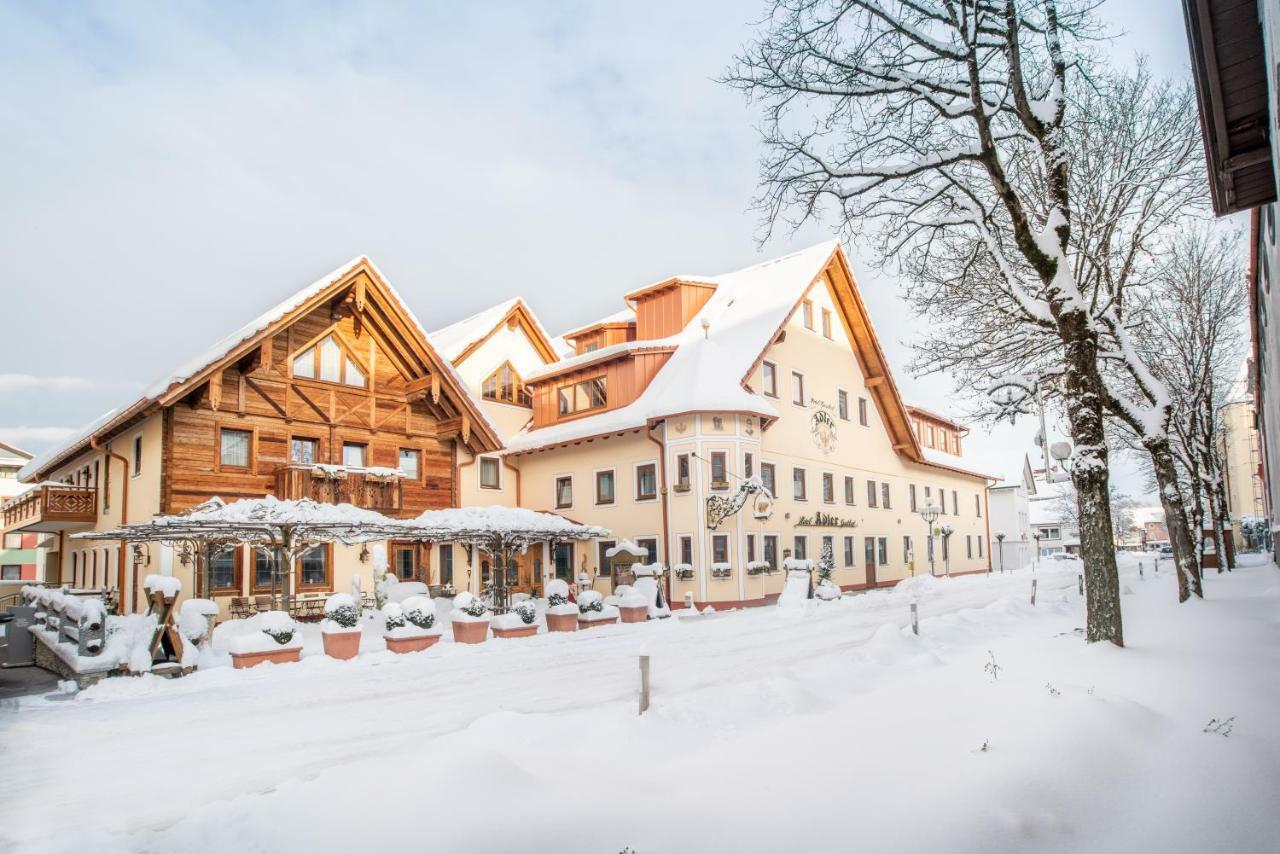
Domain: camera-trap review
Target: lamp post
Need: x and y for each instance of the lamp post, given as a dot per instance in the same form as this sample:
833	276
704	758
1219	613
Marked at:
1035	560
1000	545
929	513
945	531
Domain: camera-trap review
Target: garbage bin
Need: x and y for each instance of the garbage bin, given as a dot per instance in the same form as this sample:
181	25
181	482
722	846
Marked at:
19	645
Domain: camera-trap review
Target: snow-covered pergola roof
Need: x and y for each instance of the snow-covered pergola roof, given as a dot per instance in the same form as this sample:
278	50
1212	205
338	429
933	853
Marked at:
260	521
495	527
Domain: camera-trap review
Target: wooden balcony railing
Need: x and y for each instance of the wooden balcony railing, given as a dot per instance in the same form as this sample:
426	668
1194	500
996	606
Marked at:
340	486
52	508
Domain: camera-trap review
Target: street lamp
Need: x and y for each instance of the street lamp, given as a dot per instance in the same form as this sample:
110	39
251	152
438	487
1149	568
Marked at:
1000	545
1035	560
946	531
929	513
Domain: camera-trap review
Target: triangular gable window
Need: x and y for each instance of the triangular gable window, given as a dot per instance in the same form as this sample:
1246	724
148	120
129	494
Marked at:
505	385
326	360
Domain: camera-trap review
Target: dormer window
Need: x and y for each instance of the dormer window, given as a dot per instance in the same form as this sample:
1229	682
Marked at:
328	361
505	386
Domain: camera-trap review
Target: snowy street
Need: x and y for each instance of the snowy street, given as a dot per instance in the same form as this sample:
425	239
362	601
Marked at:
496	747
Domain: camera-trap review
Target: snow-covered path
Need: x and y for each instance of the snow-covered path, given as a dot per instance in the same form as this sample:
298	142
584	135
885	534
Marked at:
522	737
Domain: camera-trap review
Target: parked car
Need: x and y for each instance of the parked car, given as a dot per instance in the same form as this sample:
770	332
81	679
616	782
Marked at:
1166	551
1062	556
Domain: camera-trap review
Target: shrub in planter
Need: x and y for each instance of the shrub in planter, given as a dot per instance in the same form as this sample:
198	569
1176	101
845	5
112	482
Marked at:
562	615
518	623
277	641
632	604
410	625
340	630
470	619
592	611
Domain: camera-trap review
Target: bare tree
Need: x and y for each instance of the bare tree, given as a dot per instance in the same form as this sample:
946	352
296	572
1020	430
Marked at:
1192	335
950	124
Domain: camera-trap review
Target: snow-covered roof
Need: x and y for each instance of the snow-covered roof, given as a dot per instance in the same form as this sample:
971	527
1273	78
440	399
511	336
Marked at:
705	371
12	455
502	520
626	315
942	458
210	355
456	337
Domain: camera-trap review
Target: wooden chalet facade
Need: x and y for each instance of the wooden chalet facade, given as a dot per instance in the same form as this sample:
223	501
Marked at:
335	395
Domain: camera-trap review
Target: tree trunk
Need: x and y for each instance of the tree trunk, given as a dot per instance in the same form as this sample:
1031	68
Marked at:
1090	475
1175	516
1219	498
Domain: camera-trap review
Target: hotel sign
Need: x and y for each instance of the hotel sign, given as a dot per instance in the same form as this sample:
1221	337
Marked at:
825	520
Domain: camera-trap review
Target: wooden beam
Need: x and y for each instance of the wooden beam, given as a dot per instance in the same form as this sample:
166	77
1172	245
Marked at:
215	390
413	388
435	387
872	382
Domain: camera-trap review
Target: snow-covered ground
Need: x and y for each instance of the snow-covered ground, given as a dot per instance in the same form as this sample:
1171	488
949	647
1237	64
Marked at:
769	731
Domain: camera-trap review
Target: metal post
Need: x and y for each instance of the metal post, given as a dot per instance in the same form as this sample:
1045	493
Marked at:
1033	591
915	619
644	684
1081	579
1140	569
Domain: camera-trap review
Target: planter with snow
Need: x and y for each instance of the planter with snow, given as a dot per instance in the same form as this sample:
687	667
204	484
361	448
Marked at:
277	642
592	611
470	619
562	615
518	623
633	606
340	629
410	625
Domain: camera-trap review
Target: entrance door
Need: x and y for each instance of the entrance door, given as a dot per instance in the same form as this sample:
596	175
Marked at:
529	565
869	557
564	561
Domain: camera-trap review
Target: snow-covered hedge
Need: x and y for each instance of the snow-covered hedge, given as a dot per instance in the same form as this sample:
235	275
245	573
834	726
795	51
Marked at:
392	616
526	611
592	607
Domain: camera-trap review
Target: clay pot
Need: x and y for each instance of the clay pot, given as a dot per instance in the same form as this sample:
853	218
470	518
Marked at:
476	632
241	660
402	645
638	614
522	632
562	622
342	645
591	624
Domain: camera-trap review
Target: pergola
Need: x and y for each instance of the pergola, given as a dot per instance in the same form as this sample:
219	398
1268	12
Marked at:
501	532
280	530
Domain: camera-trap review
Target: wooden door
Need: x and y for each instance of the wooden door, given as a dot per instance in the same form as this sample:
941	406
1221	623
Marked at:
869	557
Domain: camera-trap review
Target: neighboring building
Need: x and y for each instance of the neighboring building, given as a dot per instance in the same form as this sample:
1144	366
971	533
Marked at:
20	554
1011	516
649	422
1241	450
1235	59
1053	516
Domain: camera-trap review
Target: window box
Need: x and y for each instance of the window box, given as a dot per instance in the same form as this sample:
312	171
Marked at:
683	571
721	570
681	487
759	567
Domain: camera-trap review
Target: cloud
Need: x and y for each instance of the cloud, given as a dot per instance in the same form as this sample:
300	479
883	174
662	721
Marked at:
14	382
34	435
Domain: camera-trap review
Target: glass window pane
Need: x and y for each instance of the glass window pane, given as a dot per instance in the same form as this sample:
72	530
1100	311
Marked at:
330	360
304	365
303	451
353	455
313	566
235	448
355	376
409	463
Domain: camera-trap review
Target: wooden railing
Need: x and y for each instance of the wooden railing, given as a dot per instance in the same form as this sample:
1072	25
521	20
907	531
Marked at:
52	508
354	486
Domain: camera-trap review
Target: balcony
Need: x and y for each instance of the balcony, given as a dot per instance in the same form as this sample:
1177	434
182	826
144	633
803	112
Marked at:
50	508
371	489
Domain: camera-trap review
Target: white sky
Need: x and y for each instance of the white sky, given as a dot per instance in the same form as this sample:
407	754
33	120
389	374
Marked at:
169	172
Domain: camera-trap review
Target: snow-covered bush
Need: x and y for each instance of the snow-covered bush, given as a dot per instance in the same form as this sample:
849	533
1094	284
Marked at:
278	626
826	562
419	611
826	590
757	567
340	612
392	616
468	609
526	610
195	618
557	592
590	601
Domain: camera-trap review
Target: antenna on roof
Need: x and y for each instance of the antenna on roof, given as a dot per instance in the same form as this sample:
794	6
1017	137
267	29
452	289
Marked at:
706	328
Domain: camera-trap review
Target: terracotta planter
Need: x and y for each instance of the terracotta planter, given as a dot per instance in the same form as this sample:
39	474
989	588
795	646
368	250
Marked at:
342	645
562	622
402	645
241	660
522	632
638	614
471	632
591	624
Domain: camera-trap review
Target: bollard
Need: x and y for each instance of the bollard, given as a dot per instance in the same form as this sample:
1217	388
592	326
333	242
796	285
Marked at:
1140	569
1081	578
644	684
915	619
1033	591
